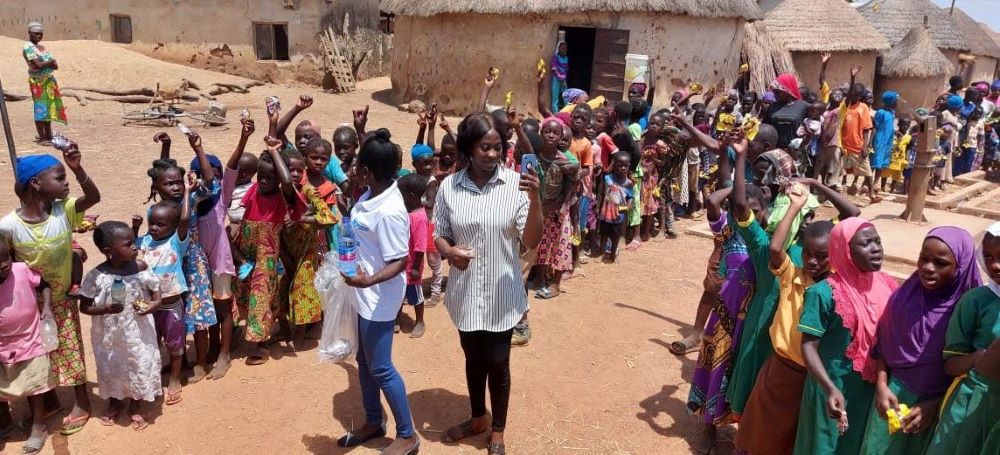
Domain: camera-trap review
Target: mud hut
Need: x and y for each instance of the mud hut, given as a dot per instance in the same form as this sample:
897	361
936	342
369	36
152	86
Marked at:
914	67
766	56
444	48
811	27
981	46
895	18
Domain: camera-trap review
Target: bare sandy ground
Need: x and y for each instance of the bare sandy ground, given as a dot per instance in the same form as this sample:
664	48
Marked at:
596	379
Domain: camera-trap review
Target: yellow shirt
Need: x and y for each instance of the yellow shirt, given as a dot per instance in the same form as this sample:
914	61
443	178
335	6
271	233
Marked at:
785	335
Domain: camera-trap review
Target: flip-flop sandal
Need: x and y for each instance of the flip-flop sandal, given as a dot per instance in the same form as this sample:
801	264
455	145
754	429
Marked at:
349	440
73	425
33	445
173	398
682	348
466	431
139	423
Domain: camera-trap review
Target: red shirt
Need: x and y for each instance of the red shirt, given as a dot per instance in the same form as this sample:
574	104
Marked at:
419	227
271	208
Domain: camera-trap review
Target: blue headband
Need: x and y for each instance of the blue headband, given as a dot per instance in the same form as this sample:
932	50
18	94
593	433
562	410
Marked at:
421	151
30	166
212	160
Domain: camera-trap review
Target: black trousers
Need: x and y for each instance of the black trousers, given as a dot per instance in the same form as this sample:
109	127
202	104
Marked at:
487	359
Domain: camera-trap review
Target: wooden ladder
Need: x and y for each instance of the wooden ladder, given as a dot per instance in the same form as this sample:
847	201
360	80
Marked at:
335	63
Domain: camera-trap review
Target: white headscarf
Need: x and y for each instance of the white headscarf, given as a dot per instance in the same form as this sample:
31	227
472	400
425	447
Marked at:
35	27
993	230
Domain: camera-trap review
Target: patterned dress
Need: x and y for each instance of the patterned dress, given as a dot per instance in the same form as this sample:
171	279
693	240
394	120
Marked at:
47	248
305	245
651	176
48	104
707	397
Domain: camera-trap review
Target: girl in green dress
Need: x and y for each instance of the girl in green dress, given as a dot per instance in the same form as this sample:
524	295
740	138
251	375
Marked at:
972	406
911	337
838	326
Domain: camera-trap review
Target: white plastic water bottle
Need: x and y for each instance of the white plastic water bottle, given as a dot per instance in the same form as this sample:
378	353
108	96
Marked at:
347	249
50	335
118	291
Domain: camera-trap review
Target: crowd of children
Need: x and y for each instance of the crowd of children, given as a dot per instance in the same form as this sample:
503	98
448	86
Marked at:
800	337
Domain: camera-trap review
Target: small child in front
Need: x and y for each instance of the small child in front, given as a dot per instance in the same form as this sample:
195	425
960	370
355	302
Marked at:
26	370
412	187
163	250
120	294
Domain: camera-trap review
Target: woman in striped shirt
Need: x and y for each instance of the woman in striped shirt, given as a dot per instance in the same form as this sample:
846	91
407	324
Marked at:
485	215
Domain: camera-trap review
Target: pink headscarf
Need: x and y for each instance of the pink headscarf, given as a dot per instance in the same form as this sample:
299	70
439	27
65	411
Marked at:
788	84
859	297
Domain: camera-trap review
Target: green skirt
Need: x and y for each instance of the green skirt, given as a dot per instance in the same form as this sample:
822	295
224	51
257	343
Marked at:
969	416
817	433
878	441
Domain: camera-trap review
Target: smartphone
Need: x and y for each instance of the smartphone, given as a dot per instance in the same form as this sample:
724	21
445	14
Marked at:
529	161
184	129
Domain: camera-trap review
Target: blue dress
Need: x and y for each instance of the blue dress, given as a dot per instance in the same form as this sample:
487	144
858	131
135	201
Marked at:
885	131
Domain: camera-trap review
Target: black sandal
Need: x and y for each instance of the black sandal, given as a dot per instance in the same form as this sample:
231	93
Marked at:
349	440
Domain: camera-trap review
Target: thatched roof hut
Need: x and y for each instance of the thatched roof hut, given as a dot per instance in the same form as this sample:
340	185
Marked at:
981	46
895	18
766	55
915	67
811	27
443	48
915	56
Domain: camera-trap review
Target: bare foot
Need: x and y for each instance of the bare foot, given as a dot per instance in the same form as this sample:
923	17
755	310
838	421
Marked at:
221	366
197	373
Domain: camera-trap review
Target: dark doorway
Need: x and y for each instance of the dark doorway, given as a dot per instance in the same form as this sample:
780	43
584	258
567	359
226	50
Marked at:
580	50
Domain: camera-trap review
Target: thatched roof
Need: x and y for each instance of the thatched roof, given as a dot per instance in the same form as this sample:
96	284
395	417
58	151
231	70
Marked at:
746	9
895	18
766	55
979	43
821	25
915	56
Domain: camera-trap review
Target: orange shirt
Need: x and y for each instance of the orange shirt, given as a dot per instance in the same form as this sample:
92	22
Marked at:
857	119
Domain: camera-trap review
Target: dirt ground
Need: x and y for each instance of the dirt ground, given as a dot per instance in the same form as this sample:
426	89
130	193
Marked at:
596	379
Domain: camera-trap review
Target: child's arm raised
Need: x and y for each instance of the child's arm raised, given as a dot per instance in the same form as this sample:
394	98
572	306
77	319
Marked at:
798	195
207	173
431	119
487	88
741	208
845	208
543	96
182	224
305	101
245	132
164	140
360	120
713	204
421	126
284	177
91	195
705	140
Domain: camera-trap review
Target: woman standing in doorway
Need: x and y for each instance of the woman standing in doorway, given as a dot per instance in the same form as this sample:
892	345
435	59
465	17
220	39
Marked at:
44	89
485	216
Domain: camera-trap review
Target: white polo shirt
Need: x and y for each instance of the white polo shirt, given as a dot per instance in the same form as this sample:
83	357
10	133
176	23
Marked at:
382	229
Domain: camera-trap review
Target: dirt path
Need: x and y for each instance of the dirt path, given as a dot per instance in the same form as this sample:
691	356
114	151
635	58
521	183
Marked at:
596	379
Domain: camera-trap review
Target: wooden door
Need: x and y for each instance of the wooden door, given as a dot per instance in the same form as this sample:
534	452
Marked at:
608	74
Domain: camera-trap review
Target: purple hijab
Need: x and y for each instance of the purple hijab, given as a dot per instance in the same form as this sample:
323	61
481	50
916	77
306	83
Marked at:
911	332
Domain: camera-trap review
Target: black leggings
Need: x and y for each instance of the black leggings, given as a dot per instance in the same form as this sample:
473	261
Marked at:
487	356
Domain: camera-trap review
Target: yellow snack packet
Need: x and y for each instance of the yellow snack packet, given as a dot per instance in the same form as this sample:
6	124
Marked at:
895	419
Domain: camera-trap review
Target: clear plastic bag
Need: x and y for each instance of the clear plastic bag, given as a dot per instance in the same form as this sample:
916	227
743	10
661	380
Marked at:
340	315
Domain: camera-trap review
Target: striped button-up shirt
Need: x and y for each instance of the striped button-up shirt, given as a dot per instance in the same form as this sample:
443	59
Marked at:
489	294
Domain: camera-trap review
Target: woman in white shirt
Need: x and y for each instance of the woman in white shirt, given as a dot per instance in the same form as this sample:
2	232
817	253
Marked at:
485	215
381	226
